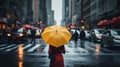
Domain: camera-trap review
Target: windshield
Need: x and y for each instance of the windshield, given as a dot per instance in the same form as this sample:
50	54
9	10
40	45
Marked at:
114	32
20	30
100	31
118	32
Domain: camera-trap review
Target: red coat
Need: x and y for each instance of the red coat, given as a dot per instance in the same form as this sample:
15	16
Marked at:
59	60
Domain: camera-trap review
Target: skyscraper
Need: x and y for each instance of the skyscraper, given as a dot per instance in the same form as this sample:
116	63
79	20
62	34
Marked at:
35	10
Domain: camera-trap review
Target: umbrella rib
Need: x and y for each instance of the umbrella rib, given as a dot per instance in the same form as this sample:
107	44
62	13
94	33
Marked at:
64	38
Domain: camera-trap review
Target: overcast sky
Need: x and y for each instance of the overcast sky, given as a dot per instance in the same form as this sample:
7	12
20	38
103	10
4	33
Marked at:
57	7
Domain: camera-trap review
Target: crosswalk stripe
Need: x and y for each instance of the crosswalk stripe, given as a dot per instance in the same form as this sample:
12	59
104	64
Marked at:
33	48
27	46
3	45
107	50
68	49
94	49
81	49
7	47
46	48
13	48
8	50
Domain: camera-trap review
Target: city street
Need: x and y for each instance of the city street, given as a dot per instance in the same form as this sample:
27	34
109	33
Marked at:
29	55
59	33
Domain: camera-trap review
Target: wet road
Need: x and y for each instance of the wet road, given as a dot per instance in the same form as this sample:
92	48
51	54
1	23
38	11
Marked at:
29	55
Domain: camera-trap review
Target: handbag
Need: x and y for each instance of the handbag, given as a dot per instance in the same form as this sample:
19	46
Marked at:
52	56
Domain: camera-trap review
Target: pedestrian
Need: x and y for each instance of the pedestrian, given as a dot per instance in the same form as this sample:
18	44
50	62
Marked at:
75	37
33	32
4	36
82	37
56	57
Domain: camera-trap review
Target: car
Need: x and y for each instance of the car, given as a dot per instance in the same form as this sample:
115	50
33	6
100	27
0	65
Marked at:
95	35
110	37
73	31
87	34
37	34
16	37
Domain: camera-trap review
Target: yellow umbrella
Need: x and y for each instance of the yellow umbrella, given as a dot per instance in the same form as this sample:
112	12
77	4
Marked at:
56	35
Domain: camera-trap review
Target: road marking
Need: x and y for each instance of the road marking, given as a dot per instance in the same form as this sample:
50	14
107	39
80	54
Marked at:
46	48
7	47
33	48
81	50
27	46
3	45
8	50
102	49
69	50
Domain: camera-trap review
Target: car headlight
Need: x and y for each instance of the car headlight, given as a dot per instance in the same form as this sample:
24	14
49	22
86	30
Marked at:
38	33
21	34
9	35
98	36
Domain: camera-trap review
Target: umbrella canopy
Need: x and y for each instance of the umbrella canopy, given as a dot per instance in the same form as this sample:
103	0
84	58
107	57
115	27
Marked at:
27	26
103	22
17	22
32	27
100	23
56	35
2	21
116	20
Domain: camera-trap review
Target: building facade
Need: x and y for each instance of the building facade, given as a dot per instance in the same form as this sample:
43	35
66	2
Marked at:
43	12
65	12
15	7
28	12
79	12
36	11
74	11
94	11
108	9
49	9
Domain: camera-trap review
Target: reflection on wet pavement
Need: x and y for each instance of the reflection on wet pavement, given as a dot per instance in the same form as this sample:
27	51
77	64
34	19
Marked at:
20	55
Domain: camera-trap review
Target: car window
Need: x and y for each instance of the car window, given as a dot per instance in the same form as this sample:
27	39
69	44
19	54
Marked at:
73	31
114	32
96	31
100	31
20	30
118	31
106	32
29	32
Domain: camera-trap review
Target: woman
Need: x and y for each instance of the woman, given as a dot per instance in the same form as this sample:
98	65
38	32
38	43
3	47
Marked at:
58	58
